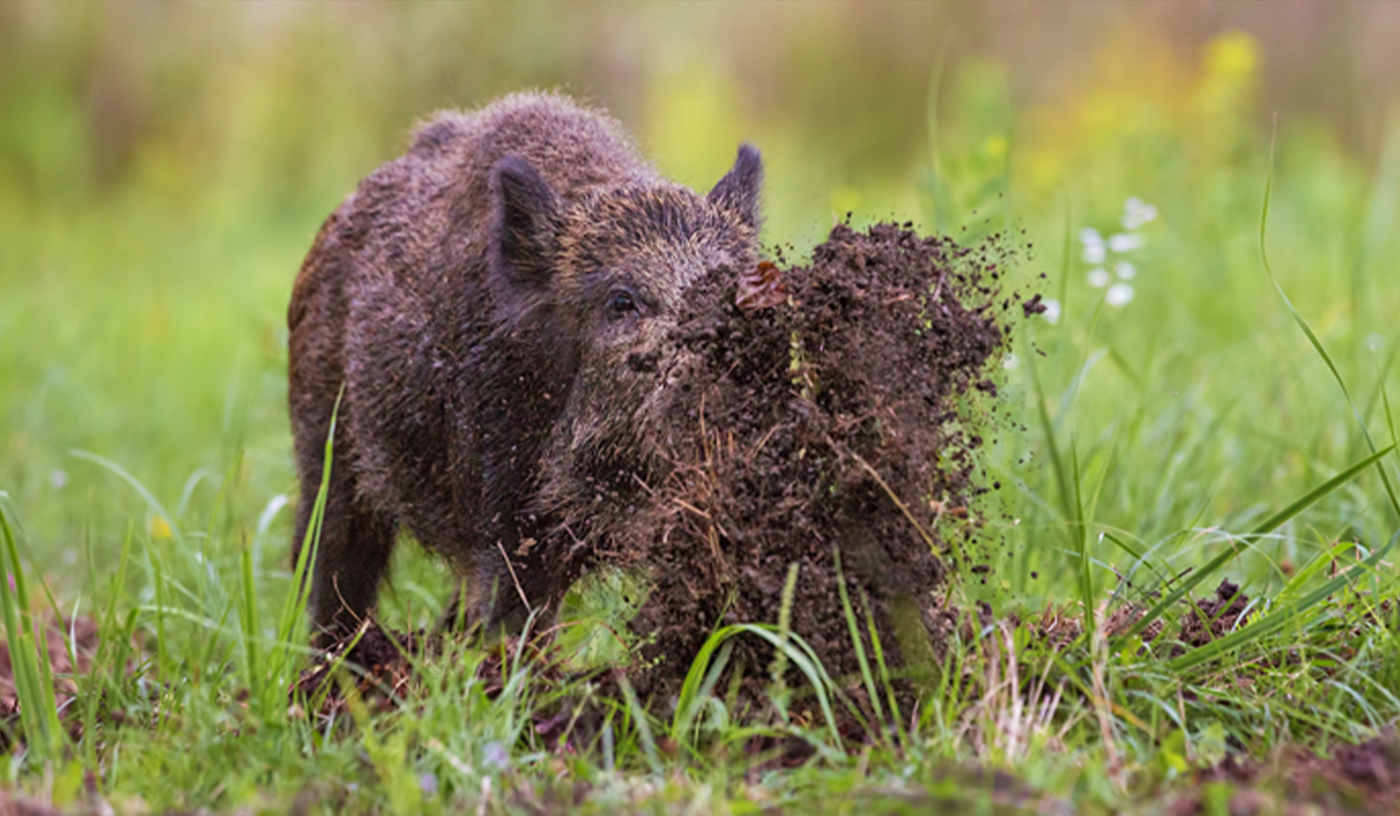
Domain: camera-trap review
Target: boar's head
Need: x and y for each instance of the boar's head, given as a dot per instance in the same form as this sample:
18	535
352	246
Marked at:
588	288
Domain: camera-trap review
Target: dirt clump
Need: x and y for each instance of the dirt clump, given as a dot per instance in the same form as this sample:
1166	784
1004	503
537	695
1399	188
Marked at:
1215	617
822	452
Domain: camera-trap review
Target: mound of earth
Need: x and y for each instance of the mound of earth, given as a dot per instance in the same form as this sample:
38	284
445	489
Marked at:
822	454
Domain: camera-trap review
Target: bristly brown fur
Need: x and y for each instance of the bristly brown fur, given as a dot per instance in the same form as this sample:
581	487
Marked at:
493	303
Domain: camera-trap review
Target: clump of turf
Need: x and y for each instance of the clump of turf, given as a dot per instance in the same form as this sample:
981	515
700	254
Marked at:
825	429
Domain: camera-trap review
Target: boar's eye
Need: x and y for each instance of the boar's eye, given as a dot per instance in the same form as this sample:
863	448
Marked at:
621	302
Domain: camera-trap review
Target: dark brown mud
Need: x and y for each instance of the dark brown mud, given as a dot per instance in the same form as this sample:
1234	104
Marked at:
822	458
1214	617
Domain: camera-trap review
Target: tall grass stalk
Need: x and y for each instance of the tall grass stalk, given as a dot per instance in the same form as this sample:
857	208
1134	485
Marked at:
29	654
1307	329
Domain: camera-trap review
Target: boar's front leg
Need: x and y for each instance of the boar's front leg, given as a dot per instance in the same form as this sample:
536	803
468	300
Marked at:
489	599
355	542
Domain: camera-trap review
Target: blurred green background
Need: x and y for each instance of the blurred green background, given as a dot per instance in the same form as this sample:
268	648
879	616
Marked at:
164	166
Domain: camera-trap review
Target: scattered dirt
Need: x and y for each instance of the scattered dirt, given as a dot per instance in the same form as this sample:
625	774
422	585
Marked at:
829	426
1214	617
1201	621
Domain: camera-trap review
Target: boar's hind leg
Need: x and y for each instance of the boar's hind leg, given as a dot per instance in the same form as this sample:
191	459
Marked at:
355	542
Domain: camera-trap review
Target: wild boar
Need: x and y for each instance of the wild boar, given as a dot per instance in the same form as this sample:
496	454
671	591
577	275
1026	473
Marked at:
489	313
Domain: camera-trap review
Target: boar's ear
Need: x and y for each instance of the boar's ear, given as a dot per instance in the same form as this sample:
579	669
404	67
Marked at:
737	192
524	212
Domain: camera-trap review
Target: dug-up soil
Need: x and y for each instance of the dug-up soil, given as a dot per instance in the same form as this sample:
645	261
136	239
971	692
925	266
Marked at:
822	462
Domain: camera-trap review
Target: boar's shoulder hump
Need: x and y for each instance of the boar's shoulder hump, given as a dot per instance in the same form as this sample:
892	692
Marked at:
575	148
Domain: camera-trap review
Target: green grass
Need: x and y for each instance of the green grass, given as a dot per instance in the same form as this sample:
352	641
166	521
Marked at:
1234	420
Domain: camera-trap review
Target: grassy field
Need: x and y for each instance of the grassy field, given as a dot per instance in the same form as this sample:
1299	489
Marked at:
1210	396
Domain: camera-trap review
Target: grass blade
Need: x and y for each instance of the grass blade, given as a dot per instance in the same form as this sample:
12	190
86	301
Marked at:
1318	493
29	655
248	618
638	715
871	690
700	682
1307	330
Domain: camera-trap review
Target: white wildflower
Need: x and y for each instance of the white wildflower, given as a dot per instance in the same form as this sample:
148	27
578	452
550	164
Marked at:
1093	245
1010	362
1125	270
1125	241
1098	278
1136	213
1118	295
58	478
1052	311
